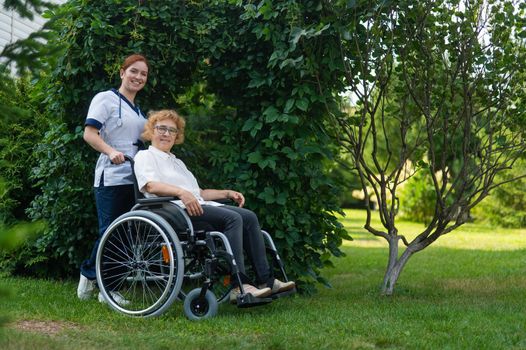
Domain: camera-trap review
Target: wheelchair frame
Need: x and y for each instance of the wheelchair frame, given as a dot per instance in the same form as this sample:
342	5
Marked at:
150	253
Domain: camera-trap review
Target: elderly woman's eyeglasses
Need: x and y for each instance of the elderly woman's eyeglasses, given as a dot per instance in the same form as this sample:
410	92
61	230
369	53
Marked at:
161	129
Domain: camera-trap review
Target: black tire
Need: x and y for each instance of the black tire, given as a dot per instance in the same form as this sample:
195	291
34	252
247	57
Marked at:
199	309
141	258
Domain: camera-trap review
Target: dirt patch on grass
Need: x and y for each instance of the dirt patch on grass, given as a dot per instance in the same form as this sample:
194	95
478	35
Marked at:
43	327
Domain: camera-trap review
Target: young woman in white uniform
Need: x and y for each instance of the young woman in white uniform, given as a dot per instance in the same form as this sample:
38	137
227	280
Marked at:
113	127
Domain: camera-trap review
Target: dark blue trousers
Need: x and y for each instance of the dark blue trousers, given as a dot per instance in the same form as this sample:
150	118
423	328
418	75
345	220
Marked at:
112	202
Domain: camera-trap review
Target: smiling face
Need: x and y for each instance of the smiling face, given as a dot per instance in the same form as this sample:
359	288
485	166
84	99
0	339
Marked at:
134	77
164	134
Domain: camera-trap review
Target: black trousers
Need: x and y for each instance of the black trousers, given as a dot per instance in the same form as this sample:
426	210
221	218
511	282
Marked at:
241	226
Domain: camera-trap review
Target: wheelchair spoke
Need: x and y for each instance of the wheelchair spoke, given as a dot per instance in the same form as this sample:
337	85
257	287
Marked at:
140	257
118	252
138	244
152	293
115	265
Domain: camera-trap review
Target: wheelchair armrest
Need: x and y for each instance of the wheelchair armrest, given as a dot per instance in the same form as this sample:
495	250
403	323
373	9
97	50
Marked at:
154	200
224	201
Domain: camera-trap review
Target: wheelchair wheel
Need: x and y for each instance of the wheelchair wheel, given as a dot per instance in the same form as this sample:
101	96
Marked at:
195	273
196	308
140	264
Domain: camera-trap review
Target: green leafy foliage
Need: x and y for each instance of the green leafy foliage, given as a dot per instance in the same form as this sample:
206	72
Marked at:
246	80
26	8
280	156
33	53
21	124
418	198
506	205
66	201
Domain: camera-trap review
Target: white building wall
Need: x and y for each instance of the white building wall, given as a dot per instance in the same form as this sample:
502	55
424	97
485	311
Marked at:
13	27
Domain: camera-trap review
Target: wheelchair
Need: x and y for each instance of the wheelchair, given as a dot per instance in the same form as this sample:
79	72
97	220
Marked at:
153	255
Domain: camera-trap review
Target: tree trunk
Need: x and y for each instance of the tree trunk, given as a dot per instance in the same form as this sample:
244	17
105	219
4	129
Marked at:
395	266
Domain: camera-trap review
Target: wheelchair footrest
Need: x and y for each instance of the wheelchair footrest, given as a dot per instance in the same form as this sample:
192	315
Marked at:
248	300
284	294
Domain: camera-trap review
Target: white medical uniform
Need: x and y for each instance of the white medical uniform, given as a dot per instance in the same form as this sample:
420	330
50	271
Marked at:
120	125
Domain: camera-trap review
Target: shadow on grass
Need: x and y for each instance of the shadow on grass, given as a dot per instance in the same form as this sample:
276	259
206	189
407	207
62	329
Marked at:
435	270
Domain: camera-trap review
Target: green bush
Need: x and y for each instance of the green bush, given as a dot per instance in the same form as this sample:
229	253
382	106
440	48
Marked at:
506	205
21	125
66	201
417	198
256	120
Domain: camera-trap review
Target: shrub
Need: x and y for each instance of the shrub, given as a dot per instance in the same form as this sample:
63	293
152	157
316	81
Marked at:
417	198
506	205
21	125
66	201
263	134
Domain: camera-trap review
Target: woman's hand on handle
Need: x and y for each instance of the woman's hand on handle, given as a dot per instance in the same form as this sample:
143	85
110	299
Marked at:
92	137
116	157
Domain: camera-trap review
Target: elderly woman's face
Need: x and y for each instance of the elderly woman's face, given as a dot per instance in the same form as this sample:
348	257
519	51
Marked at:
164	134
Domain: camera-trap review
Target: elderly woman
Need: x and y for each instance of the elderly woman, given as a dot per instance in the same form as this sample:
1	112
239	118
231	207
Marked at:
160	173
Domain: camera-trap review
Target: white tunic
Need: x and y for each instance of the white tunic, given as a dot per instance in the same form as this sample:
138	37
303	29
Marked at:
154	165
120	125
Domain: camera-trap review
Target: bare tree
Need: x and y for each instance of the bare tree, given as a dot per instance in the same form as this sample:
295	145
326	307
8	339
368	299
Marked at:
440	89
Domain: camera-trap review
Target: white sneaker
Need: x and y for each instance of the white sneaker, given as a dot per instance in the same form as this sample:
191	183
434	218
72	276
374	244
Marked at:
119	299
85	288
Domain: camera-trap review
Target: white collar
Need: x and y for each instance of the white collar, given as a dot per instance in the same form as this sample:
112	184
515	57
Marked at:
160	153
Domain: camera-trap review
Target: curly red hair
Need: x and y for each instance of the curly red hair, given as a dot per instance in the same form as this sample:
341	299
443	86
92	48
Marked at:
156	116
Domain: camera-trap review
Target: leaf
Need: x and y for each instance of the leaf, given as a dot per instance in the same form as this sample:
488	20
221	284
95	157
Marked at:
250	124
289	105
268	195
271	114
302	104
295	35
254	157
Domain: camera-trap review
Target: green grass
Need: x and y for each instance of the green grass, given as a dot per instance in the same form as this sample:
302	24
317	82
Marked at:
467	291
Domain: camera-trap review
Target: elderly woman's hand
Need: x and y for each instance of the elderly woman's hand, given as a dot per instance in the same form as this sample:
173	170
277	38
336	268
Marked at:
190	202
236	197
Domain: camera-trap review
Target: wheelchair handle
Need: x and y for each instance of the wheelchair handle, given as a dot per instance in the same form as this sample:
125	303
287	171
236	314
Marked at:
129	159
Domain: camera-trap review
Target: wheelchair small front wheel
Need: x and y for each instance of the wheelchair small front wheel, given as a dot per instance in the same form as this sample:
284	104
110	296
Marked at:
195	274
197	308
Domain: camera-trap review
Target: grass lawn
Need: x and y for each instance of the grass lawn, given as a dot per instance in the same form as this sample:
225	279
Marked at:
467	291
